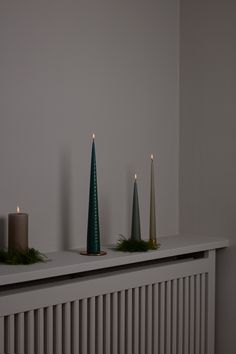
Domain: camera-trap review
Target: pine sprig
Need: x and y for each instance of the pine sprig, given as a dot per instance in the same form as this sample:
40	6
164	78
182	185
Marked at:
129	245
30	256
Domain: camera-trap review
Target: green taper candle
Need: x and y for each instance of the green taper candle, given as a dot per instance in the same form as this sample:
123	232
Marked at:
135	228
152	226
93	232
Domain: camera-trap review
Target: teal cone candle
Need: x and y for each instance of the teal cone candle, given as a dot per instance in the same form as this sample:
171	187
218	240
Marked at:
93	232
152	226
135	228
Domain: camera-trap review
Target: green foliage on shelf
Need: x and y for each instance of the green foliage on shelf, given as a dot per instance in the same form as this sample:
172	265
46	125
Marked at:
129	245
30	256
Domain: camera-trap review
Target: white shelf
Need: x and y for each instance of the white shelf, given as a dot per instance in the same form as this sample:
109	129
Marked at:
71	262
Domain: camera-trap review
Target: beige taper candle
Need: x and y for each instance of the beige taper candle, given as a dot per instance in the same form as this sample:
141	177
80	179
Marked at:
152	227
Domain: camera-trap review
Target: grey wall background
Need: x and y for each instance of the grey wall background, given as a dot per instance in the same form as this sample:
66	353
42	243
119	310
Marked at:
71	68
208	142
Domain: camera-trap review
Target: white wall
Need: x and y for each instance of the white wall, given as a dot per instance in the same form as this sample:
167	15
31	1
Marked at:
71	68
208	142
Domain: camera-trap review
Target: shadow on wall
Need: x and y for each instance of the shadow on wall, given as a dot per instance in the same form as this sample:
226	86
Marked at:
65	200
105	225
3	232
129	200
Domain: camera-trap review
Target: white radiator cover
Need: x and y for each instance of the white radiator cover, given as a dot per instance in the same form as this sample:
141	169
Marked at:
158	307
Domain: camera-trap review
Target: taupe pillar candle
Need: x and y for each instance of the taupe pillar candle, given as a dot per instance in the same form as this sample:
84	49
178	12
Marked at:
152	226
17	231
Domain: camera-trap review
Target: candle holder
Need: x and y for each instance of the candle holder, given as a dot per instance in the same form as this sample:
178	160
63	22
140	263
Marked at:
85	253
153	244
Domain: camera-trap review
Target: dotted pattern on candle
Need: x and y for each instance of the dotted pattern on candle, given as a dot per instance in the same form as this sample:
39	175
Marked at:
93	232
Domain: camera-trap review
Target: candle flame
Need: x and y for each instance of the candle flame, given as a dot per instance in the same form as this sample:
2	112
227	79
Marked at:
151	156
18	209
135	176
93	136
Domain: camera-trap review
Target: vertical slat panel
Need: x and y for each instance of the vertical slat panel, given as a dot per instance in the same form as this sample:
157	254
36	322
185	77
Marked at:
155	332
83	327
29	332
91	325
57	329
128	329
186	315
19	333
149	323
1	335
75	327
197	315
180	315
162	305
165	318
107	324
210	329
168	317
203	312
48	328
66	345
174	317
9	334
99	322
135	320
114	319
192	315
39	331
121	329
142	319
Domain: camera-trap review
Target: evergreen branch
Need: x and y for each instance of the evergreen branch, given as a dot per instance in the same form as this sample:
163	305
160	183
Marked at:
30	256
